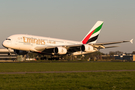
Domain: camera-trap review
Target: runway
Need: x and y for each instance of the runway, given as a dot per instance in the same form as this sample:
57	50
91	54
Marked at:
67	71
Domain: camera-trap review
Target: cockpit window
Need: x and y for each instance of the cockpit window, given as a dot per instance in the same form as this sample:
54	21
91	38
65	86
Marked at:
8	39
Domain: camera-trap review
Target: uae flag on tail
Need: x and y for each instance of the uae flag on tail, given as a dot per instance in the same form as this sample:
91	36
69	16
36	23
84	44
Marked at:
93	34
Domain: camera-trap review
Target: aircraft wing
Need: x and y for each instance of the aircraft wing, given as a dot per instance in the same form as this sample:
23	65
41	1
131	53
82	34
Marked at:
114	42
102	45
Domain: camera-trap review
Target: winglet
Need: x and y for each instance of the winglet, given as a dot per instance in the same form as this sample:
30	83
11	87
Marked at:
131	41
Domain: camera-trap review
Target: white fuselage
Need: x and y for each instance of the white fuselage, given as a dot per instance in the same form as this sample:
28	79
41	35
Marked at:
29	42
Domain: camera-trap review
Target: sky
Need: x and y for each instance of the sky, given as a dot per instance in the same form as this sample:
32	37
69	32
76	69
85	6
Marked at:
70	19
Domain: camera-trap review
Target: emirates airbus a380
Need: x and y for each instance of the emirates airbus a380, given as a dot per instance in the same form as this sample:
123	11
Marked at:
23	43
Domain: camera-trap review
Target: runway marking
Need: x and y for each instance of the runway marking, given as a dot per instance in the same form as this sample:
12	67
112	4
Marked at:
68	71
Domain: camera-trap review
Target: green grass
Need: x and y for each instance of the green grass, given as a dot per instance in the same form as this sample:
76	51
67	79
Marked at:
68	81
70	66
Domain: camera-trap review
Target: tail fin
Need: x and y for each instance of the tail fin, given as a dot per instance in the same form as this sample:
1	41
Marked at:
93	34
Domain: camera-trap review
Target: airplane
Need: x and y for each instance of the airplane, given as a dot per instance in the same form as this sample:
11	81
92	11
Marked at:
23	44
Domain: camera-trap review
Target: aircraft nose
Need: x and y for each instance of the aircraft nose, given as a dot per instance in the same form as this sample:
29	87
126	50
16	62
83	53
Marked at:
4	43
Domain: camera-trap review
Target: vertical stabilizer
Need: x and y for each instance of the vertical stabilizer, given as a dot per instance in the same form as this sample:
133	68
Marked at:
93	34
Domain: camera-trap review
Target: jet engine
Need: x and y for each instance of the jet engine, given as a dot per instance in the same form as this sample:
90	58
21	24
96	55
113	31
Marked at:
87	48
20	52
60	50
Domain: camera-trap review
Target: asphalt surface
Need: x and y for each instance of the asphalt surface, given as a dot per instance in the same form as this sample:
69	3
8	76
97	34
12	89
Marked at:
68	71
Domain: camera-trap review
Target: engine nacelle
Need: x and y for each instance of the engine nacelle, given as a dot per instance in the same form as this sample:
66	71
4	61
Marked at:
60	50
20	52
87	48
